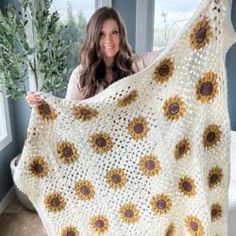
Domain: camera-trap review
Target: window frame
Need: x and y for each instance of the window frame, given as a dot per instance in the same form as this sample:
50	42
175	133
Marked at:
145	10
5	126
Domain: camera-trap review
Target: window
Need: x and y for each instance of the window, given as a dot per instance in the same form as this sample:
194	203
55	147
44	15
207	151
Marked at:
75	15
5	131
144	26
170	18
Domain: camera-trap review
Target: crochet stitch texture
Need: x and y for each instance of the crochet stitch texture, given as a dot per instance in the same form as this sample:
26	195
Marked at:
147	156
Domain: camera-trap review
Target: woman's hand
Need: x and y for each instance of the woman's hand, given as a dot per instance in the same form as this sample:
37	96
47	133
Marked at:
33	99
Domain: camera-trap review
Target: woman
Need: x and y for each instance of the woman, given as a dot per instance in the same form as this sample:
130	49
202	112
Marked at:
105	57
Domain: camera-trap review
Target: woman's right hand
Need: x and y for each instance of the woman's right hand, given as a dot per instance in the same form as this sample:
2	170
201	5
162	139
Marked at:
33	99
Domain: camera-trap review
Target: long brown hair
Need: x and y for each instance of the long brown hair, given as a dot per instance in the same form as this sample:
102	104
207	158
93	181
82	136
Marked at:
93	73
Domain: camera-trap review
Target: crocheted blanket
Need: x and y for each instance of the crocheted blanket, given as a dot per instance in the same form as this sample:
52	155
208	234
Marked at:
147	156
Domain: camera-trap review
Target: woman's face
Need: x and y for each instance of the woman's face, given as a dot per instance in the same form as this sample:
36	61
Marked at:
109	40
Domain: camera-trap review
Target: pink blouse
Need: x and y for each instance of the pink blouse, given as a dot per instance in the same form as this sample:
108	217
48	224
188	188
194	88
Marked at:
139	63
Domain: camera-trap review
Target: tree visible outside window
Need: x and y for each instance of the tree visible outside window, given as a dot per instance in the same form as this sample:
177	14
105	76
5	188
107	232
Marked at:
75	14
170	18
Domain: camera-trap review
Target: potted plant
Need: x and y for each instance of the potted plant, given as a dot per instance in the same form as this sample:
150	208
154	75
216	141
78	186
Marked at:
33	52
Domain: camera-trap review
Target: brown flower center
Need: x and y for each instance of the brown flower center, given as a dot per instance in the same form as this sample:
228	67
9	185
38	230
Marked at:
174	108
84	112
206	89
182	149
164	70
99	223
128	98
67	151
194	225
161	204
38	168
214	212
46	109
101	142
211	136
150	165
70	233
55	202
129	213
214	178
138	128
85	190
201	35
116	178
187	186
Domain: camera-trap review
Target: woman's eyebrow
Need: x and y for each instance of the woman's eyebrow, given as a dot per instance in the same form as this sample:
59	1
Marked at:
111	29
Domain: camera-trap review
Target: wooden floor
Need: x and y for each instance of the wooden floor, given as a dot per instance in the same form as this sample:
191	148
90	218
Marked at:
17	221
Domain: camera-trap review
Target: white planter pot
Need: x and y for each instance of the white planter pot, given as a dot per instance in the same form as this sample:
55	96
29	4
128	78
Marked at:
21	196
